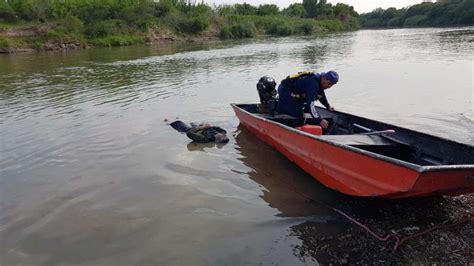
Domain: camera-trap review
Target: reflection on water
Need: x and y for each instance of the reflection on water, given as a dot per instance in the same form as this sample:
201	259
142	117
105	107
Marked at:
282	181
91	174
192	146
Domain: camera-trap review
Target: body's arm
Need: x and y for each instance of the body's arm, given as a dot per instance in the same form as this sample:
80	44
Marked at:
324	101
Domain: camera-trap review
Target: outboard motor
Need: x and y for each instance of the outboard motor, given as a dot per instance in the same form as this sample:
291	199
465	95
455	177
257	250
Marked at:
267	93
266	89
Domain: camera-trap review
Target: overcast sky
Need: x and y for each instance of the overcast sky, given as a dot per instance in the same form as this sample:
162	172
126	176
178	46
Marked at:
361	6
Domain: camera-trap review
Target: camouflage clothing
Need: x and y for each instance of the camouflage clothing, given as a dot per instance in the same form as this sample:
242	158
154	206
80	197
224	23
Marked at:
203	135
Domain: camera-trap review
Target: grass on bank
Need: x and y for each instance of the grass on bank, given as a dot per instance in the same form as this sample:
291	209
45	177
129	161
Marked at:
13	43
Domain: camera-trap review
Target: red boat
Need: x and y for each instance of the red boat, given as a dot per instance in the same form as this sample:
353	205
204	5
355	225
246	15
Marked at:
366	158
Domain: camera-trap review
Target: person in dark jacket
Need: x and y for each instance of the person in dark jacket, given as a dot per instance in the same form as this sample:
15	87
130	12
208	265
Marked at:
202	133
297	94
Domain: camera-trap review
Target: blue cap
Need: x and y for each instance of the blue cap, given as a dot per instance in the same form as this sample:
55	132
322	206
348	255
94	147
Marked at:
332	76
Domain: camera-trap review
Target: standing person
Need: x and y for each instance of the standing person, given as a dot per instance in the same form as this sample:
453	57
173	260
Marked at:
298	93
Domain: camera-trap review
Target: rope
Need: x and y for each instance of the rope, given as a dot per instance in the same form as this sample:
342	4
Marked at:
387	237
467	219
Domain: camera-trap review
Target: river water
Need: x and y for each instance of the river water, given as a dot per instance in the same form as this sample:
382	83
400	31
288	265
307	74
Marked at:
90	172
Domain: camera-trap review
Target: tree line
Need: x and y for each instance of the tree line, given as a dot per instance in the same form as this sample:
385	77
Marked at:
122	22
440	13
88	10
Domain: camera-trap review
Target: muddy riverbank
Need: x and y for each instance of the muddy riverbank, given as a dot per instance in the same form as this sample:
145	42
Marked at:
432	230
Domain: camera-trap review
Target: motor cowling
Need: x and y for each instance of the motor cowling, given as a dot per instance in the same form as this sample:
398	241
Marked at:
266	89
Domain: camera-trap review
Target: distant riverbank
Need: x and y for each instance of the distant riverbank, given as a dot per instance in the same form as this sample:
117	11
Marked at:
24	37
74	24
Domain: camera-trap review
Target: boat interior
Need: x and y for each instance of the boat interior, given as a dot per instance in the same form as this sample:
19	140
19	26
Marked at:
379	138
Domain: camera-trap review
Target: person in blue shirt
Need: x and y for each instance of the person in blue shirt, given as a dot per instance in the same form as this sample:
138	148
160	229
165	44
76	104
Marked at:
298	93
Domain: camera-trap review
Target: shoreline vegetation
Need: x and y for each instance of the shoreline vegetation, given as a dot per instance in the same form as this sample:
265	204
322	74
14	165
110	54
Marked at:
28	25
74	24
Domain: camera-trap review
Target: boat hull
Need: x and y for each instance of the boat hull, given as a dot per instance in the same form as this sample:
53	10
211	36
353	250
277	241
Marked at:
354	173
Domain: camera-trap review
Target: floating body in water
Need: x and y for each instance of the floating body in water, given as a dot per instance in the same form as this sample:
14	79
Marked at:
202	133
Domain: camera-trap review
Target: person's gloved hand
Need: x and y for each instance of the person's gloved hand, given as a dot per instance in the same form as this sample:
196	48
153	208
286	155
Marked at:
324	123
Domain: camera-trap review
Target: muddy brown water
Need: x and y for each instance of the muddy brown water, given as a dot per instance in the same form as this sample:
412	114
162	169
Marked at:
90	172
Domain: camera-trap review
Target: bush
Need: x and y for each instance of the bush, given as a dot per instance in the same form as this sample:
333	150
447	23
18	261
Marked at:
106	27
280	28
163	8
267	10
22	9
200	10
414	21
243	29
225	33
238	29
69	29
245	9
226	10
307	28
332	25
295	10
8	42
193	25
394	22
5	42
71	24
146	23
7	13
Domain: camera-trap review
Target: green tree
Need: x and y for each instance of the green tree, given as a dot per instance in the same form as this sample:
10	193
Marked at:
324	10
295	10
6	12
415	21
390	13
267	10
466	13
164	7
245	9
344	12
420	9
311	8
226	10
